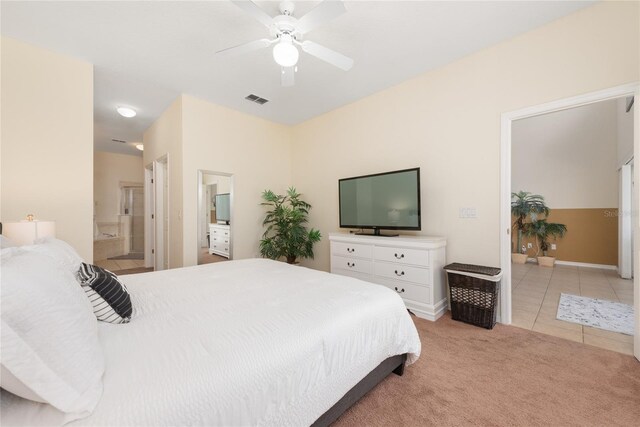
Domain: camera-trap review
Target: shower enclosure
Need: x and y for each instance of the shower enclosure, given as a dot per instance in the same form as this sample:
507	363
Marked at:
133	219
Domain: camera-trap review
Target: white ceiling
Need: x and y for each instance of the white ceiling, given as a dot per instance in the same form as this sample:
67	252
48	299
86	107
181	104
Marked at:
147	53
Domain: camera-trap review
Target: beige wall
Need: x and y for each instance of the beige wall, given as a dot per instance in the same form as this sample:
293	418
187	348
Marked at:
47	141
258	154
447	122
164	138
569	157
109	171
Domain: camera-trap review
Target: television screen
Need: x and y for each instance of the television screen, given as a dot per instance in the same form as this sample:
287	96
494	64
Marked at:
388	200
223	207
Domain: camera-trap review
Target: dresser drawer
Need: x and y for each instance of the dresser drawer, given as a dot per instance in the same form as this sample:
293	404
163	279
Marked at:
351	264
220	247
350	273
214	231
221	239
404	256
410	292
403	272
351	249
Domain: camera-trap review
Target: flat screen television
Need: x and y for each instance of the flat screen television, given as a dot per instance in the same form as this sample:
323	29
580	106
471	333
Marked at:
223	207
383	201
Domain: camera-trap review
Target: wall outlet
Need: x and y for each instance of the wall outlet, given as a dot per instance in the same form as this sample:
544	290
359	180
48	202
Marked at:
529	245
553	246
467	213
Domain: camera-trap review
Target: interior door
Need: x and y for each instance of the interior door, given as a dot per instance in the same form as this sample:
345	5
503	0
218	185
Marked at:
160	212
625	223
149	223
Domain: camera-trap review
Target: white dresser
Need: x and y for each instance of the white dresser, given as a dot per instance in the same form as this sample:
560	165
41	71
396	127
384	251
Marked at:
410	265
219	239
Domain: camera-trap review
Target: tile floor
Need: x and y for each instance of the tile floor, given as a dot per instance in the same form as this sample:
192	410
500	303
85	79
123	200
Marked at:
536	293
120	264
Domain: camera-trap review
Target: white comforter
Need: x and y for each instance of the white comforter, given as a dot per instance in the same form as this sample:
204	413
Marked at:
251	342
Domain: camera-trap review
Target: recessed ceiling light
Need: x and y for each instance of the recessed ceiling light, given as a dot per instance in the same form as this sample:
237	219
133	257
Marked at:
140	147
126	112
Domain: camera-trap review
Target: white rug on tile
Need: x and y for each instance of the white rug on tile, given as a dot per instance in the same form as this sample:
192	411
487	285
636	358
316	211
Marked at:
597	313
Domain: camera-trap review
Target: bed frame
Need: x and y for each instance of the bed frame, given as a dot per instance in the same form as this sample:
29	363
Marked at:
393	364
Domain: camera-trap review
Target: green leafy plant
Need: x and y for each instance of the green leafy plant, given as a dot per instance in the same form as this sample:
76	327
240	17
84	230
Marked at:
542	231
286	234
526	205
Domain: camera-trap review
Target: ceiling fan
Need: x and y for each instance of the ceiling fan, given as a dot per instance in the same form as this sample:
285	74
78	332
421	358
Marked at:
287	33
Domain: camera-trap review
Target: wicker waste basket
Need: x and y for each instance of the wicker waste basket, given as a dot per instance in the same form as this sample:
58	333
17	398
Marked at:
473	293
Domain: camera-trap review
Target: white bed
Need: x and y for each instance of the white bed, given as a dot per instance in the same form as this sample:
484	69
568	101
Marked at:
250	342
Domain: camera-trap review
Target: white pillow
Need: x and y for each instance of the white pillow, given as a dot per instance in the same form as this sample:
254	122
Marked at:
49	334
62	252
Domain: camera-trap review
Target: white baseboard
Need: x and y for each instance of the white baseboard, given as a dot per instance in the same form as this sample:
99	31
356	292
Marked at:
579	264
586	264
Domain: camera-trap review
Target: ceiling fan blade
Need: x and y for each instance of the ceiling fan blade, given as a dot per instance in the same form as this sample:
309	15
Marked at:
331	56
287	76
254	10
245	47
324	12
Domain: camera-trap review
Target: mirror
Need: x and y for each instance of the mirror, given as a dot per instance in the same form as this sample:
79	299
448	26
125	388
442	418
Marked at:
215	217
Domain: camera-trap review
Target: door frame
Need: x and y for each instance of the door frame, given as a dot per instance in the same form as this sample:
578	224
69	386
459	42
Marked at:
162	216
201	174
631	89
149	215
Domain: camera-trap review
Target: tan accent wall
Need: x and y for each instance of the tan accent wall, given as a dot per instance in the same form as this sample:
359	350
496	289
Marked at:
592	236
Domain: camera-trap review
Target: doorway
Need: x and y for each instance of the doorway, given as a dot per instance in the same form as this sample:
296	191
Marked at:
215	217
632	90
157	224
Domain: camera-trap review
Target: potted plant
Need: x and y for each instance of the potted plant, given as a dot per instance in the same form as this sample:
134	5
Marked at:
286	235
542	231
525	205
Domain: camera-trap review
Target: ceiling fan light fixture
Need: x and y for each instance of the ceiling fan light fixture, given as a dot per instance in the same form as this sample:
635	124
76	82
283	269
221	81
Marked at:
285	53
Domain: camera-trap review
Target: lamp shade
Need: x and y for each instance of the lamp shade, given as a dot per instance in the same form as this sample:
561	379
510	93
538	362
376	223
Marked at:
26	232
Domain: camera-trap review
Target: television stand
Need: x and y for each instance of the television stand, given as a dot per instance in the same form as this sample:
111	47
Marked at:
376	232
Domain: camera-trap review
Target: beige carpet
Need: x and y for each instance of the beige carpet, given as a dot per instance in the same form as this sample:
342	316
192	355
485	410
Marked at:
504	377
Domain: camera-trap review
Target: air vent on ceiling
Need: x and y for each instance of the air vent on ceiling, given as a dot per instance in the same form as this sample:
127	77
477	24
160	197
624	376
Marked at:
256	99
119	140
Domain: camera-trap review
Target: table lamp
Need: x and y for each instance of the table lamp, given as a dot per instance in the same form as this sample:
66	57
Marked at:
27	231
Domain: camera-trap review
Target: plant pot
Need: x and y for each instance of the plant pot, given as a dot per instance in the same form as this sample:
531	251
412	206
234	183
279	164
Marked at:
546	261
519	258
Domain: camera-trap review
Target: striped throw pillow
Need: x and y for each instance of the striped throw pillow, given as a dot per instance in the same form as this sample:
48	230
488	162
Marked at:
109	297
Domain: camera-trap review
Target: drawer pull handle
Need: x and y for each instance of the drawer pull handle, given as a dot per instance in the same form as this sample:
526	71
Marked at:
351	250
399	291
351	264
399	257
399	274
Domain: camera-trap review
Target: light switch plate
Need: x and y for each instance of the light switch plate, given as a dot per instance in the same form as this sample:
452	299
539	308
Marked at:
468	213
553	246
